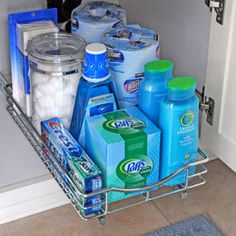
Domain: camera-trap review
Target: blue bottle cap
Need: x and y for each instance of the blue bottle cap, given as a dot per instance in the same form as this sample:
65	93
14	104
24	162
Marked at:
181	88
96	67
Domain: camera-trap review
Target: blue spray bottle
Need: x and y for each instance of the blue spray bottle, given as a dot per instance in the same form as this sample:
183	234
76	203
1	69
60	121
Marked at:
96	93
178	120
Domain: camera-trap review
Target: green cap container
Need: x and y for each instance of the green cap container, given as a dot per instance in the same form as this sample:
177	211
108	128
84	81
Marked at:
159	70
181	88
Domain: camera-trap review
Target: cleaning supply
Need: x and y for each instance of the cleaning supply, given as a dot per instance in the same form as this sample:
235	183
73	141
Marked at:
74	160
125	145
153	87
23	26
129	48
178	121
92	19
96	93
55	69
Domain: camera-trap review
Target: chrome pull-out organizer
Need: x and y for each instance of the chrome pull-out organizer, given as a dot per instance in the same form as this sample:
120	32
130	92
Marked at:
69	187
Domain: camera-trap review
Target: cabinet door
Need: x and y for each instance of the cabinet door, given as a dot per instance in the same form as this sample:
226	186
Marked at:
221	86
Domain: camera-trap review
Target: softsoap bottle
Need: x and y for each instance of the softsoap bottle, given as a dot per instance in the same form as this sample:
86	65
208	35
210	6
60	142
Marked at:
178	121
153	87
96	93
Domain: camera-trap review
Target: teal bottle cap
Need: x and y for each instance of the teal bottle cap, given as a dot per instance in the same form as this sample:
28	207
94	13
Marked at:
181	88
161	69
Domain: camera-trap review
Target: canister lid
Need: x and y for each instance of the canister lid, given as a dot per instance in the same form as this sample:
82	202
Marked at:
96	67
161	69
96	48
181	88
56	47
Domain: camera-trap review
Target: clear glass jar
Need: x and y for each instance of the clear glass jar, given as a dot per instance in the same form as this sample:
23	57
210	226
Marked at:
55	69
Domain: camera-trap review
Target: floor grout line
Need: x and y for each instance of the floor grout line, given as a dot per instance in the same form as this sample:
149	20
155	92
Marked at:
164	215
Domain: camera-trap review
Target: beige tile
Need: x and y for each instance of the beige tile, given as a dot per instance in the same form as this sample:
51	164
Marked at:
217	198
64	221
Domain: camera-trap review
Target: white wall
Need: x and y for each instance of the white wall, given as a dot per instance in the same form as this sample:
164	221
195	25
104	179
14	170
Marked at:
19	162
183	26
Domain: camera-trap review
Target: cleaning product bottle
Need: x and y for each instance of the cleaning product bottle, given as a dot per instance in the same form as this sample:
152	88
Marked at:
96	93
178	120
153	87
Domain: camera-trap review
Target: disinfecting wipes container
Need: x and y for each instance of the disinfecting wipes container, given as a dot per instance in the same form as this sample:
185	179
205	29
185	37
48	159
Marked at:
93	19
129	49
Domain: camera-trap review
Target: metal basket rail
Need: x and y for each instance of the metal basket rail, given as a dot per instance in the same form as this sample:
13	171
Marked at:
70	188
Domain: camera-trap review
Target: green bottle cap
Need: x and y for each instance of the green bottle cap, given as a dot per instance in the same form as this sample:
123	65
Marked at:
181	88
161	69
160	66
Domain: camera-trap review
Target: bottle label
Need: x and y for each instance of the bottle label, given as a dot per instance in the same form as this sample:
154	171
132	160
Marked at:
132	85
115	57
186	131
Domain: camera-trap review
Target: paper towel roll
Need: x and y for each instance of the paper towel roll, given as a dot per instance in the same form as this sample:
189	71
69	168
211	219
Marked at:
91	20
129	49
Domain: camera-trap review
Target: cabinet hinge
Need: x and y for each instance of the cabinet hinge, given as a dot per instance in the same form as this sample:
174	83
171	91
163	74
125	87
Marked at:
207	104
219	6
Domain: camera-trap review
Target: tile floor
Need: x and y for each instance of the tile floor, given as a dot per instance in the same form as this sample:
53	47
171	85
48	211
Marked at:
217	198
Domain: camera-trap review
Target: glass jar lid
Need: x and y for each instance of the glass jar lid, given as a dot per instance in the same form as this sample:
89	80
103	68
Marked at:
56	47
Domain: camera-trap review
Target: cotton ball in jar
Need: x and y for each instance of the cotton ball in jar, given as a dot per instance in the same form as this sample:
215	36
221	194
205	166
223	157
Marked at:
38	78
57	83
70	89
46	102
67	100
38	111
72	78
45	89
52	86
36	93
54	112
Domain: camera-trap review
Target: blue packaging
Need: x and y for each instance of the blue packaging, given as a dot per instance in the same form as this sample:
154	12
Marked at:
92	19
129	48
126	146
178	121
96	67
18	56
153	87
91	99
84	172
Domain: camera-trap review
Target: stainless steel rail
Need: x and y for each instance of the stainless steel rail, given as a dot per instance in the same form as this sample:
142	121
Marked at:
70	188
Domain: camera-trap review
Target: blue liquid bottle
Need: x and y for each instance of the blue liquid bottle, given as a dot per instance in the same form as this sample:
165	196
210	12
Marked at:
96	93
178	122
153	87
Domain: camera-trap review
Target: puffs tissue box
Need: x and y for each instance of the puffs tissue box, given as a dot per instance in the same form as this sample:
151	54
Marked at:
125	144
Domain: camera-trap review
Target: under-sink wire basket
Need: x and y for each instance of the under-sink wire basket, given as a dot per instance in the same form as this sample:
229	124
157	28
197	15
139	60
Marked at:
69	187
